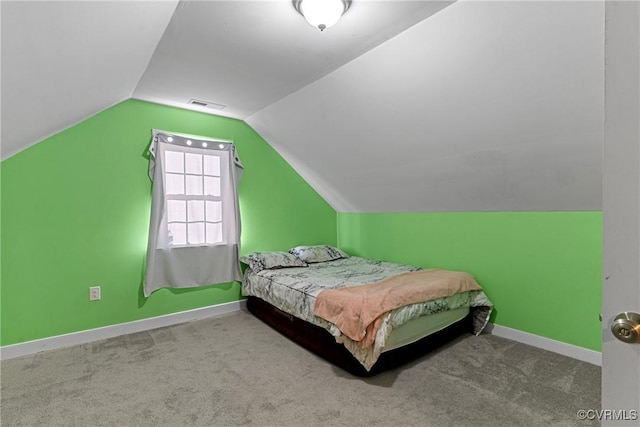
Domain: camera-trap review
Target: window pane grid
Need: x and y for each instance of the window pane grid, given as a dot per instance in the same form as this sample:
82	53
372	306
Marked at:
194	202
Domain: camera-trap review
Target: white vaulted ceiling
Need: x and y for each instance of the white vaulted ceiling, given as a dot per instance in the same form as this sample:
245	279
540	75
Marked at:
485	106
402	106
247	55
62	62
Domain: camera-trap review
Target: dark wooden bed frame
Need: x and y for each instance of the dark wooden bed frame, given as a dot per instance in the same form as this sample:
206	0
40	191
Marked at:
322	343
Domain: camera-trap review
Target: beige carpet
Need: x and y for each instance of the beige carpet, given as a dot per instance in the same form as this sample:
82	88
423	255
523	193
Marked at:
234	370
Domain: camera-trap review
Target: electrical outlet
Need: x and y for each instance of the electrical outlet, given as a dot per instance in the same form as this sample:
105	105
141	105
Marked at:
94	293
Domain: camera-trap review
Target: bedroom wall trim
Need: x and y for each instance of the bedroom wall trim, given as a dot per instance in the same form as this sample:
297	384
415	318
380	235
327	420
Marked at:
112	331
569	350
90	335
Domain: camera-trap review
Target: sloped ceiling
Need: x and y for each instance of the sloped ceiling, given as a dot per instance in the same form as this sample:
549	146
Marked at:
485	106
63	62
246	55
402	106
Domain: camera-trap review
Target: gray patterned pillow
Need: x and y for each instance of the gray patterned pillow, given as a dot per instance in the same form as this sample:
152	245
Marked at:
259	261
318	253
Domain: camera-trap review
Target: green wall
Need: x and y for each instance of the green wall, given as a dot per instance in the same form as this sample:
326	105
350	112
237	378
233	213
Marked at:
542	270
75	213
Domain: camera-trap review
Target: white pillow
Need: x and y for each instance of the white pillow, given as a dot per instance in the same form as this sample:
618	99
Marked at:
259	261
318	253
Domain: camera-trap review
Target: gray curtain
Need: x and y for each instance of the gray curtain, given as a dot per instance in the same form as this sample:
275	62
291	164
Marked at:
194	232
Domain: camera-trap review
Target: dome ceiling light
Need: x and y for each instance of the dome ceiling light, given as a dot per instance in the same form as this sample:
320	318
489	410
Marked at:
321	14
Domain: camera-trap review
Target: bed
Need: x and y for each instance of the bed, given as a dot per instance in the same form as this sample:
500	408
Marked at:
291	292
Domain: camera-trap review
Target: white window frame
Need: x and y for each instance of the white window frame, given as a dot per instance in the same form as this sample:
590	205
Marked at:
196	222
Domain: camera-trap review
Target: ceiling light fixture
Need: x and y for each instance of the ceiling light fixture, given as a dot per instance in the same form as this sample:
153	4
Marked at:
321	14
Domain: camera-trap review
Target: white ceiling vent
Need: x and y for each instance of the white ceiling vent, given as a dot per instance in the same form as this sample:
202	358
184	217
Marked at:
206	104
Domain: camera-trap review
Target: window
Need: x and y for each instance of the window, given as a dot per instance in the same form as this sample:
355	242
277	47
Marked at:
194	201
194	212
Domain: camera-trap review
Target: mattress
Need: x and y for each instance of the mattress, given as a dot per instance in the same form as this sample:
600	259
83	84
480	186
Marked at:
416	329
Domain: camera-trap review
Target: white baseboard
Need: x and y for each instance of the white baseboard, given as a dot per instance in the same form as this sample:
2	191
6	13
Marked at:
580	353
90	335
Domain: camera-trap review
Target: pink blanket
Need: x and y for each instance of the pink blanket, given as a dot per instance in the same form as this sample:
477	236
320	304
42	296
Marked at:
358	311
